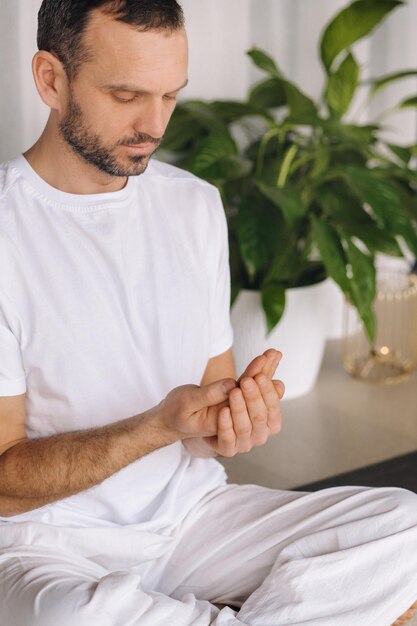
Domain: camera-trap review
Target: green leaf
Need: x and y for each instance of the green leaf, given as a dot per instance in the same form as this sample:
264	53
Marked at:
376	239
287	199
237	268
250	237
267	150
273	302
367	133
383	196
409	102
388	202
351	220
408	233
209	150
341	86
383	81
182	131
231	111
264	62
302	108
360	137
259	230
352	24
269	94
321	163
331	252
203	113
369	319
286	265
277	92
364	276
344	152
402	152
363	286
408	177
223	168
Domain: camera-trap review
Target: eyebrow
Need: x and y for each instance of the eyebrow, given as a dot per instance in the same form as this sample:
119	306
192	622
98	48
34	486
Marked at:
135	88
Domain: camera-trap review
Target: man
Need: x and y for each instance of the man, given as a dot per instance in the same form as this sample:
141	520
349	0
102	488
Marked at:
117	380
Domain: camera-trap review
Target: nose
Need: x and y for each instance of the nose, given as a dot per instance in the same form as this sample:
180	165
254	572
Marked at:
153	118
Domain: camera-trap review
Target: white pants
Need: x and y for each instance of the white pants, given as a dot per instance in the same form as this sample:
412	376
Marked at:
338	557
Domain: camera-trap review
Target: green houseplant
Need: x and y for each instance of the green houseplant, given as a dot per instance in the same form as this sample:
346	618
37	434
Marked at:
306	193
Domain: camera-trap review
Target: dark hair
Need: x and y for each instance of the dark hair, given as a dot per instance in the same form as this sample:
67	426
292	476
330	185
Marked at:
62	24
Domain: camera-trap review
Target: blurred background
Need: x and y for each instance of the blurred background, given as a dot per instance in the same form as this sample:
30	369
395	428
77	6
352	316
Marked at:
220	33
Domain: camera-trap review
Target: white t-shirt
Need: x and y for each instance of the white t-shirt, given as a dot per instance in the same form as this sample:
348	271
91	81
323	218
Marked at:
107	302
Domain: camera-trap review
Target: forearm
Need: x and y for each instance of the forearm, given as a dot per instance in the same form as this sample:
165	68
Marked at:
36	472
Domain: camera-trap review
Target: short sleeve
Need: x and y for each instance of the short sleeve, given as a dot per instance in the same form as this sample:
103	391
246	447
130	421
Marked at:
12	374
221	332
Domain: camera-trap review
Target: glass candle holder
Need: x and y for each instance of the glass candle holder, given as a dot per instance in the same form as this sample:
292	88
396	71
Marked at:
393	355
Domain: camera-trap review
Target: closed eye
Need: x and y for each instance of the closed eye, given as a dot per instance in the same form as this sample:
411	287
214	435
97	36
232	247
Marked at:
125	100
133	98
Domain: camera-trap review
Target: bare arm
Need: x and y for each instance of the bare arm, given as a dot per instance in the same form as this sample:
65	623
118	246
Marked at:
35	472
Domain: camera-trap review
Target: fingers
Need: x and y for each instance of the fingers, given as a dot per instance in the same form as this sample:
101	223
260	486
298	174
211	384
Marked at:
280	388
234	429
242	424
273	358
225	443
253	415
254	367
271	400
265	363
256	409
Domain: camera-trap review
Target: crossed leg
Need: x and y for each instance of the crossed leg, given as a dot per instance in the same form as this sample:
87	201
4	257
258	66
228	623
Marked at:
338	557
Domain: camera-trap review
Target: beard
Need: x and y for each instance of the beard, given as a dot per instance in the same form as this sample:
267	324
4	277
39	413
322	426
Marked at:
90	147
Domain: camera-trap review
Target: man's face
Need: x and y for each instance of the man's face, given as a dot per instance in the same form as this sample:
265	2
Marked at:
119	104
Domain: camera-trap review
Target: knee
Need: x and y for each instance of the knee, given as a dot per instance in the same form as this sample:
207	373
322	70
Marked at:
400	503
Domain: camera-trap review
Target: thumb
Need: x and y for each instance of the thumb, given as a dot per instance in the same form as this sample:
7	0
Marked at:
213	393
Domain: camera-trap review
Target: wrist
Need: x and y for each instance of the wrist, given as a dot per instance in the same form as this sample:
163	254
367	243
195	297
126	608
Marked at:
153	421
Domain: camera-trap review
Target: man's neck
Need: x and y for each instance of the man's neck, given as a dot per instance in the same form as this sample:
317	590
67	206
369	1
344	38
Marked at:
61	168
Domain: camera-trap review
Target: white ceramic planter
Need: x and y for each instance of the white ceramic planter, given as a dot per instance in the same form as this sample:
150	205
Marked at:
336	305
300	335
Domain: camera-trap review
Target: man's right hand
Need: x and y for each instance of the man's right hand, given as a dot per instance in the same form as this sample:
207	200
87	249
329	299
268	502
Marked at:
58	466
192	411
40	471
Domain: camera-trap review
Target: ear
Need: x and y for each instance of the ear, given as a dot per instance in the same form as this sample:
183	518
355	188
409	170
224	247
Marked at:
51	79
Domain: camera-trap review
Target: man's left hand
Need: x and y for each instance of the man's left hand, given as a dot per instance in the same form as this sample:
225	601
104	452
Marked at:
250	416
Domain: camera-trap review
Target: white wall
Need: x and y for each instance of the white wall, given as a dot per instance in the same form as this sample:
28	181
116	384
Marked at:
22	113
220	32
